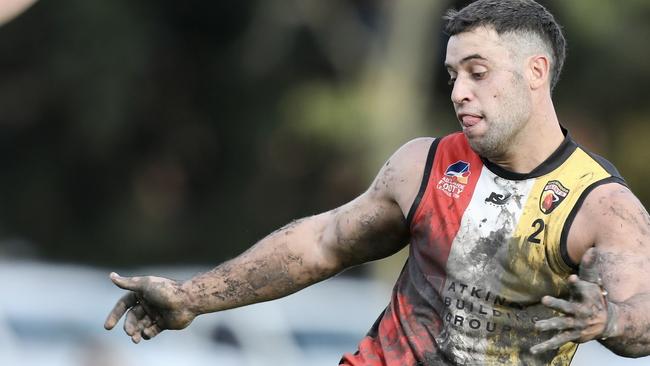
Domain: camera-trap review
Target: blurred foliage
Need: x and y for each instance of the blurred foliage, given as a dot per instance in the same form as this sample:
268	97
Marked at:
158	131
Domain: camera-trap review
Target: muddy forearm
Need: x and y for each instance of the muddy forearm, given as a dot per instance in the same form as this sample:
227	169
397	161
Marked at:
275	267
632	326
302	253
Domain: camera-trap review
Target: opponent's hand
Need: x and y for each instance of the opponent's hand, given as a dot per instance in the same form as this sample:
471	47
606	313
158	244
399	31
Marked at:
152	305
586	316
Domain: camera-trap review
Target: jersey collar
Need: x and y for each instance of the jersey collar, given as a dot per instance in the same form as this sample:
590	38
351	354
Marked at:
559	156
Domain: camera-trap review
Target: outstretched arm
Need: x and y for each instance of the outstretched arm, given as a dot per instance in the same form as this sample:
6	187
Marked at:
610	299
302	253
306	251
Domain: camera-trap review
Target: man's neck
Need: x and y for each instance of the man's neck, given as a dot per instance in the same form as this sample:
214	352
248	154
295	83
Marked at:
533	145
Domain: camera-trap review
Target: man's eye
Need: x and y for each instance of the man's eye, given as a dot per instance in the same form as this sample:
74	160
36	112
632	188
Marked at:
479	75
451	81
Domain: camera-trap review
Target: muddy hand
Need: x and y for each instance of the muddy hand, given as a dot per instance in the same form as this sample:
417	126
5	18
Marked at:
152	305
585	316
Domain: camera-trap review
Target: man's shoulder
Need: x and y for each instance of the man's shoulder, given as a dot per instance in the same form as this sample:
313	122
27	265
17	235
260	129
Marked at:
418	149
413	158
414	148
607	212
402	174
601	161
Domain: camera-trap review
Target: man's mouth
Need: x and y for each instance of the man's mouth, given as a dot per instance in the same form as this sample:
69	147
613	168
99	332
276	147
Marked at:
469	119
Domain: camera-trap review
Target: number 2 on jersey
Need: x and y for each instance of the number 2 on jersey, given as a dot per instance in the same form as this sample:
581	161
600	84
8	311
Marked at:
539	227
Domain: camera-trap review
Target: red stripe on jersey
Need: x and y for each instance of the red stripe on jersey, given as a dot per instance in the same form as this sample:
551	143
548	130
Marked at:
390	346
403	337
449	191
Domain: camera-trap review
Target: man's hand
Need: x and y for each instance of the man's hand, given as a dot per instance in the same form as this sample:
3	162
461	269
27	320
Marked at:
152	305
586	316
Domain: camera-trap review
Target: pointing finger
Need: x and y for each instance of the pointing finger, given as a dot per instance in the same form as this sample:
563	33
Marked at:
123	304
127	283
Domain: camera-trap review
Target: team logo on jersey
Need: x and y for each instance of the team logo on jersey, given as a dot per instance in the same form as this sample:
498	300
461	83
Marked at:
455	178
459	170
552	195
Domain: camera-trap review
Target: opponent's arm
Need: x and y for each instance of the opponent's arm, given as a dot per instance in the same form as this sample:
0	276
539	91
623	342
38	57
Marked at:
306	251
610	299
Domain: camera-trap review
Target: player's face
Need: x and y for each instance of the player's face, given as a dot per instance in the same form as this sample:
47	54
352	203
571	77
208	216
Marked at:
490	94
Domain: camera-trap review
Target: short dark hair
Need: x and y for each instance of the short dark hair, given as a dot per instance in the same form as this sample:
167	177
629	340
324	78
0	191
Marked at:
512	16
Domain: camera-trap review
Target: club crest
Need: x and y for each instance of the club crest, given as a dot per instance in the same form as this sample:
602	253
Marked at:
459	170
455	179
552	195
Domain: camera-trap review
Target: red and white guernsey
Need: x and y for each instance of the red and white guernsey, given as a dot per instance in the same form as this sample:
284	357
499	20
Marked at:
486	245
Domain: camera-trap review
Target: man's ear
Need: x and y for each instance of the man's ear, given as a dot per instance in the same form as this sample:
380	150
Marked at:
539	71
12	8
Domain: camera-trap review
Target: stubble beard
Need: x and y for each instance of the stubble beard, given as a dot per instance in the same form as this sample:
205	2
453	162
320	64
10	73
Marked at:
505	125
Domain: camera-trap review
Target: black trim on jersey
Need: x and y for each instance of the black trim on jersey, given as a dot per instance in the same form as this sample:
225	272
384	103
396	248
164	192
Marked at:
559	156
574	353
572	215
425	181
604	163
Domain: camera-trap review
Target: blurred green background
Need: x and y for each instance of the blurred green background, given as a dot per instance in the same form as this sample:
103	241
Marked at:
158	132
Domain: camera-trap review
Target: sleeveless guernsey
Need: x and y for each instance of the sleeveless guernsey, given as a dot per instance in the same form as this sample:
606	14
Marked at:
486	245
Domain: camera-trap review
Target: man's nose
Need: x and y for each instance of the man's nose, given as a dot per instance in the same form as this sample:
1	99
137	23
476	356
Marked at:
461	92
